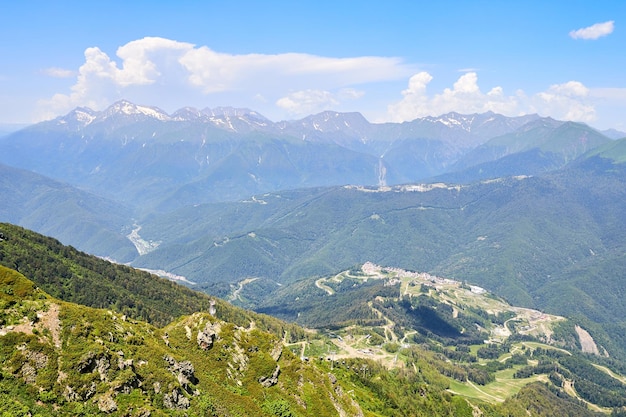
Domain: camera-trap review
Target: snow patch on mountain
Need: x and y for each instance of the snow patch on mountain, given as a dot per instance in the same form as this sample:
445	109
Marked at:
129	109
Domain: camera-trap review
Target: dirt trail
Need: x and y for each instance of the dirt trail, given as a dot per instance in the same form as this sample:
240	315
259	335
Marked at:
302	346
50	320
320	284
235	295
390	336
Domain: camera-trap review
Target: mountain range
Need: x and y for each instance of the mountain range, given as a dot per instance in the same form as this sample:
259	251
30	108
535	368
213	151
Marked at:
527	207
144	157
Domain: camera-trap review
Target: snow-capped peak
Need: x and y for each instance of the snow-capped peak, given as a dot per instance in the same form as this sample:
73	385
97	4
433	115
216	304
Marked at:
84	115
79	117
456	120
127	108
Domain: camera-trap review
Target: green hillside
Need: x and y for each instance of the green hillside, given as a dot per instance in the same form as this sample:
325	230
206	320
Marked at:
540	242
68	213
563	141
62	358
74	276
615	151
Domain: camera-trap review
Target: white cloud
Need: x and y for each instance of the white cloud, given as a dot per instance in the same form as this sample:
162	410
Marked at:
350	94
58	72
214	72
464	97
467	70
594	31
155	64
307	101
567	101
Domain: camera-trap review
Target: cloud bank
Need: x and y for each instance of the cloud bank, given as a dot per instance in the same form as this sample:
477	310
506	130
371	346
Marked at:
165	72
593	32
295	82
568	101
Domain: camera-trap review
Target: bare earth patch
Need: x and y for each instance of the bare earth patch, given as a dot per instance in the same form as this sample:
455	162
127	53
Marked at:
45	319
50	320
586	341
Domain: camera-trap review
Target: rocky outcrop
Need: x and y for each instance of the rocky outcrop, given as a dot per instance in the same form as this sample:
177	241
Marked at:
277	351
123	363
33	362
102	366
93	362
268	381
183	371
29	373
176	400
107	404
207	337
353	409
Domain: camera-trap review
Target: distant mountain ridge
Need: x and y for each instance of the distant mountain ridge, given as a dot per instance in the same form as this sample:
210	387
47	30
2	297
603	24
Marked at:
142	160
73	216
471	129
150	159
123	109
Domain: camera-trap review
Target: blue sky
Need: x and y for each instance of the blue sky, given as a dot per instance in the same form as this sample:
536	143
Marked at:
392	61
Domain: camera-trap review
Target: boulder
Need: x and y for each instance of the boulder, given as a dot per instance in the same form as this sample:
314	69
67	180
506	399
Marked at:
107	404
176	400
207	337
268	381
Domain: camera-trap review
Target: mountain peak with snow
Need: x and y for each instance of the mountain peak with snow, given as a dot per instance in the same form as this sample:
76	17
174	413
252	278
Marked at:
126	108
76	119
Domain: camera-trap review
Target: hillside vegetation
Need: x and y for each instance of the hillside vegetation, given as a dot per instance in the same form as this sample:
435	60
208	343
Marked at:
62	358
540	242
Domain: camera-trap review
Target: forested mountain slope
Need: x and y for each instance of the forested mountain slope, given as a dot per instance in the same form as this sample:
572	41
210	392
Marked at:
539	241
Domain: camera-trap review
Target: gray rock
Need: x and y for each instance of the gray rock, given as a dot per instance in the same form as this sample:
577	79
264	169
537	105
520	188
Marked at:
71	395
102	366
107	404
183	371
175	400
268	381
207	337
29	373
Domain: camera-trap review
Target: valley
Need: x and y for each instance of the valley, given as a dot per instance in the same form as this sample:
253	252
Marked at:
143	247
